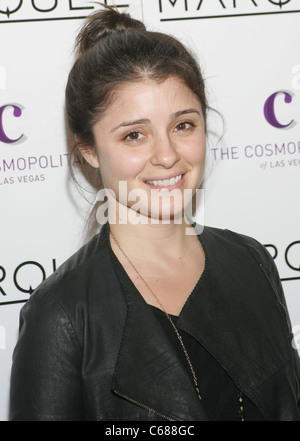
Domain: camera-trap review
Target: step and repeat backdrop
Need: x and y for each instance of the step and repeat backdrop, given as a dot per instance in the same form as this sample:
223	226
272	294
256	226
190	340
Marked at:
249	53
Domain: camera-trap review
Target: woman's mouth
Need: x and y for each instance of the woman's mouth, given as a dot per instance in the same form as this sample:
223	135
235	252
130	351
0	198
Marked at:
165	183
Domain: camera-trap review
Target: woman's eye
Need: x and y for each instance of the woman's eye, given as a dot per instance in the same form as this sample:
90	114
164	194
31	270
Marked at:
133	136
184	126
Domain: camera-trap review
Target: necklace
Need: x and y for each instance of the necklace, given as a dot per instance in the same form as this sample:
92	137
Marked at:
240	396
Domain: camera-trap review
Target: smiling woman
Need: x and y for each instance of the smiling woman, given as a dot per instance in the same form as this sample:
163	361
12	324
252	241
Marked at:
150	320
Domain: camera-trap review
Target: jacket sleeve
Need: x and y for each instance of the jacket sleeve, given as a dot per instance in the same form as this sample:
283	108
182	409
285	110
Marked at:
45	377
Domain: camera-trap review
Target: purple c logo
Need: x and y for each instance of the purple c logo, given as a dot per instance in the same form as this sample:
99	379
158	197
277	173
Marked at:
17	113
269	109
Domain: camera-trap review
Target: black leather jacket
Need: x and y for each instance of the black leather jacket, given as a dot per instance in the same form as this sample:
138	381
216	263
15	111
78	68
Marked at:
89	350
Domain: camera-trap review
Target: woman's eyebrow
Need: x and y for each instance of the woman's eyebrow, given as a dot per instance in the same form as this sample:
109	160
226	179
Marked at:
184	112
147	121
130	123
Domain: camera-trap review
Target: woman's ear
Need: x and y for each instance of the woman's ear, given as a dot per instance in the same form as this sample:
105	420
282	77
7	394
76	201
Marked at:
89	153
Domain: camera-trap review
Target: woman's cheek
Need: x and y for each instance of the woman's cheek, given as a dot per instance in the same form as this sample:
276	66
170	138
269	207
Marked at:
132	163
195	152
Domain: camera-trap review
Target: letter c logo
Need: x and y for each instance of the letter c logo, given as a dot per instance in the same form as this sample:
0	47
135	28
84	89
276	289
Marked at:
269	110
17	113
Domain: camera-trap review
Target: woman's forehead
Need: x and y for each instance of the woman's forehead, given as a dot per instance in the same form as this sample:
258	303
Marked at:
148	94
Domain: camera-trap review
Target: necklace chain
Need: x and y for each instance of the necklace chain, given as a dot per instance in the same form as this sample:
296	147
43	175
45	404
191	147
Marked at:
168	316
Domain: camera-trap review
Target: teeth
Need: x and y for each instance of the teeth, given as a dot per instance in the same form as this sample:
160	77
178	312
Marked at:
165	182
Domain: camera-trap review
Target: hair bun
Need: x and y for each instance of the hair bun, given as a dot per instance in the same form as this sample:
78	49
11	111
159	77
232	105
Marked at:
101	23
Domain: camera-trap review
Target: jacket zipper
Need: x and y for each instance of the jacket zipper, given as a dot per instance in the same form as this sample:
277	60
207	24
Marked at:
143	406
286	317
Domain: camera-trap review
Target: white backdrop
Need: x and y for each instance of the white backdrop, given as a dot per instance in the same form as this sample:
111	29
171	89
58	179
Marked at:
249	52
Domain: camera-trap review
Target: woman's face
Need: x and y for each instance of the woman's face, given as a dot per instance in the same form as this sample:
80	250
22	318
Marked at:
150	146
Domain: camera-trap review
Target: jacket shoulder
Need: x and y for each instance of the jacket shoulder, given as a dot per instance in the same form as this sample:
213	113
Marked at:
84	278
78	266
246	247
234	240
79	290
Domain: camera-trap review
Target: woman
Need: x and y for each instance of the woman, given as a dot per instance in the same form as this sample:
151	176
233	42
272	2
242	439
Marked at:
150	321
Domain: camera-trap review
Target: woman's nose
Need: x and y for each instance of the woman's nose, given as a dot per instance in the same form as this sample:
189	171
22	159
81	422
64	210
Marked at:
165	153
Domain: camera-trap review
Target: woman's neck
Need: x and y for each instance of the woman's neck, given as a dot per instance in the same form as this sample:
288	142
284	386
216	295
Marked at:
147	241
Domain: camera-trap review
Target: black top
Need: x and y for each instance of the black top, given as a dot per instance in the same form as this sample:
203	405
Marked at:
220	397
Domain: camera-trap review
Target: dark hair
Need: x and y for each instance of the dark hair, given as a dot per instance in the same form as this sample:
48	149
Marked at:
113	48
